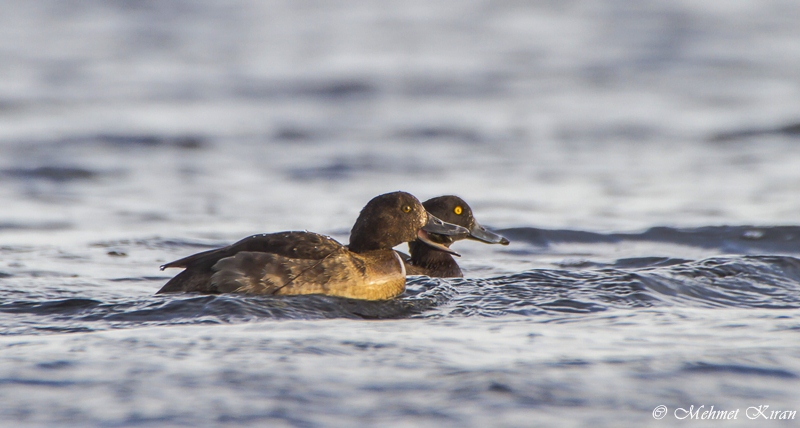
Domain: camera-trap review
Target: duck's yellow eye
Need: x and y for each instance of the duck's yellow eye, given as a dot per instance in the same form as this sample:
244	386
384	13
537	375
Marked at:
407	208
458	210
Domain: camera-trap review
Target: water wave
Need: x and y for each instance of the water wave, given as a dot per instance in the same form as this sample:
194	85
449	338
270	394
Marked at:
766	282
732	239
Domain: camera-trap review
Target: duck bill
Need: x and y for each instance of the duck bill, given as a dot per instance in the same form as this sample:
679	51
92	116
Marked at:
480	233
423	236
434	225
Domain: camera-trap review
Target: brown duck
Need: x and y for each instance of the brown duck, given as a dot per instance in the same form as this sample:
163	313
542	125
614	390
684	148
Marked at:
290	263
435	263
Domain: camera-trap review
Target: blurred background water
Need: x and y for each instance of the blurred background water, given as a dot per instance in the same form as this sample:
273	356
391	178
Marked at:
642	157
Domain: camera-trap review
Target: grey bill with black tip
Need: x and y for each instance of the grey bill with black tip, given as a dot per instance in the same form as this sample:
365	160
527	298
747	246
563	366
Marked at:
434	225
480	233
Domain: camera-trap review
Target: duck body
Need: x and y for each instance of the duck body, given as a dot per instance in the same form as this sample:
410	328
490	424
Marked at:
435	264
293	263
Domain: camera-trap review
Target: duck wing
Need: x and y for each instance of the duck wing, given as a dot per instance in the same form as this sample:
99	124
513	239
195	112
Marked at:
301	245
281	254
267	273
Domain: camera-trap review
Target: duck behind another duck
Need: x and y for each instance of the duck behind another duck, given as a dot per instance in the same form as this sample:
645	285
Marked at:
424	260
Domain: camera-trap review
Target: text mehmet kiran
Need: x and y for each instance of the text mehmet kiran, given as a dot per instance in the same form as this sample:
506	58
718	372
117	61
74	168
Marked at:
753	412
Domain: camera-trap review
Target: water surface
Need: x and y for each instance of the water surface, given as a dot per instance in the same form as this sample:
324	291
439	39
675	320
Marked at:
642	157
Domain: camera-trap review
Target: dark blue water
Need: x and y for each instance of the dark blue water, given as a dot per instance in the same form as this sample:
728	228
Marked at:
642	157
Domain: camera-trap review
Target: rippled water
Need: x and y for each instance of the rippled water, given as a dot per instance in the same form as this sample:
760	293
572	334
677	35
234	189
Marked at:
642	157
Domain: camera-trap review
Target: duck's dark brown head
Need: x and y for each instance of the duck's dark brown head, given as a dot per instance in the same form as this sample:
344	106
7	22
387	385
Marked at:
455	210
393	218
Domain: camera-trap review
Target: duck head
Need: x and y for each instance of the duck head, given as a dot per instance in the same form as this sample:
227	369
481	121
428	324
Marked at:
393	218
455	210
